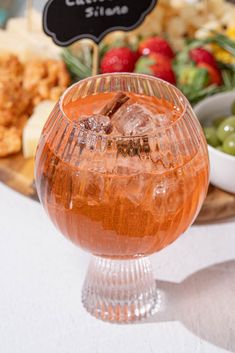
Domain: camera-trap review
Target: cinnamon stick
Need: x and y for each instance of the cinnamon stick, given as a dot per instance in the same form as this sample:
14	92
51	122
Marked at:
111	107
102	121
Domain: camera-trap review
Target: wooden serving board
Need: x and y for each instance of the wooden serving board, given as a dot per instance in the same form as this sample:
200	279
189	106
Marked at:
218	205
18	174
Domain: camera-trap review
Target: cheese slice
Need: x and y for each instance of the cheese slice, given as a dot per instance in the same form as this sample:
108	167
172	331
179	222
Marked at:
19	40
40	44
10	43
33	128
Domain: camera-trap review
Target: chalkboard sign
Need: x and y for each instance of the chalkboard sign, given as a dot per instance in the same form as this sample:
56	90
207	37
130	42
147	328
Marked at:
67	21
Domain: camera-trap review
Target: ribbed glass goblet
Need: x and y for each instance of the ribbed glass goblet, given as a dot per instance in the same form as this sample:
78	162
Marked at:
120	196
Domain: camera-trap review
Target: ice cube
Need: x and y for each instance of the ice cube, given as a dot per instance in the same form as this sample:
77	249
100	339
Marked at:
97	123
94	189
161	115
134	119
163	119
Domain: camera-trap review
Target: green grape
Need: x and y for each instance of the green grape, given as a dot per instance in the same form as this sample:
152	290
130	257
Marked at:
211	137
229	144
218	121
226	128
233	108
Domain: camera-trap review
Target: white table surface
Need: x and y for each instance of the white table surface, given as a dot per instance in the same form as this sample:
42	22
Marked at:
41	276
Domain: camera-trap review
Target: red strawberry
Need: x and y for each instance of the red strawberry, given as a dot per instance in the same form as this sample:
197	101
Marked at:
157	65
201	55
136	55
118	60
156	45
214	74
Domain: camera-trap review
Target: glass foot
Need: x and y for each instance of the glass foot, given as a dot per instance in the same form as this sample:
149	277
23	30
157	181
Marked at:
120	291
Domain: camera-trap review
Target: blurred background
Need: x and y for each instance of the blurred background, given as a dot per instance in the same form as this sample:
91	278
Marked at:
10	8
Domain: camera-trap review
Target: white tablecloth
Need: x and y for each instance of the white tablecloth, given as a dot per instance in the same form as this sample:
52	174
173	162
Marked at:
41	275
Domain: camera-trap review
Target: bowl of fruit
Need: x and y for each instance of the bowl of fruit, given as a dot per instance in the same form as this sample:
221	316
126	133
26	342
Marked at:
217	116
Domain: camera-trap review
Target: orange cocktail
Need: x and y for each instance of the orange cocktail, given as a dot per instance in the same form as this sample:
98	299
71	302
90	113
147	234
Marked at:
122	171
111	208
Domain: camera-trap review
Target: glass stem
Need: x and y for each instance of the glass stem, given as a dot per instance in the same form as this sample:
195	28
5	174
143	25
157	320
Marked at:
120	290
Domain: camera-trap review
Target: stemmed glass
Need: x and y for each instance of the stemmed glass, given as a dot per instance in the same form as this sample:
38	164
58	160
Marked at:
121	198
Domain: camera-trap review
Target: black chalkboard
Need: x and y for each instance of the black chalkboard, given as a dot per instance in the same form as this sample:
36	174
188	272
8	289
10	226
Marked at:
67	21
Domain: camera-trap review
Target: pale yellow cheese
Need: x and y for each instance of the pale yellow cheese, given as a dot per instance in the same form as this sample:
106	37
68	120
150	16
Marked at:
26	42
33	128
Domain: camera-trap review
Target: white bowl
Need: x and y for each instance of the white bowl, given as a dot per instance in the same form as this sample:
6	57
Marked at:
222	165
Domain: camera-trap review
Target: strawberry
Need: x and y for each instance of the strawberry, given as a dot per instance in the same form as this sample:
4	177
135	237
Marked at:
214	74
201	55
157	65
156	45
118	60
137	55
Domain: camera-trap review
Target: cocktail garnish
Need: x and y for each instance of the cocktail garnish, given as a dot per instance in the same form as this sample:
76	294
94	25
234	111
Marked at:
111	107
101	122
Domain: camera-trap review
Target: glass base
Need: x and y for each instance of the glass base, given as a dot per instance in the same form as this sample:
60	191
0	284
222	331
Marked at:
120	291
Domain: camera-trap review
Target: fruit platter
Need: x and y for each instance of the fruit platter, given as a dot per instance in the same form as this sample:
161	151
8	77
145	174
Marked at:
191	46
